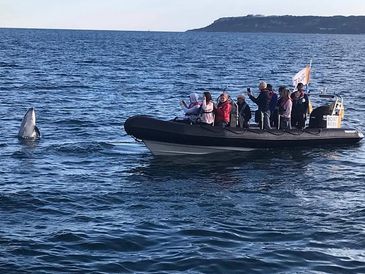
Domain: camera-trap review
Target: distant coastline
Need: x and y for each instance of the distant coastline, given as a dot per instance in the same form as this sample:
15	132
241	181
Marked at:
288	24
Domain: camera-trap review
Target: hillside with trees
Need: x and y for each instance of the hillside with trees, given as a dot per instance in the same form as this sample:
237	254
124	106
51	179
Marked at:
289	24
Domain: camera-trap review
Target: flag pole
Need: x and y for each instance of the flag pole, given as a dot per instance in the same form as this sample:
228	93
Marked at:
310	108
309	78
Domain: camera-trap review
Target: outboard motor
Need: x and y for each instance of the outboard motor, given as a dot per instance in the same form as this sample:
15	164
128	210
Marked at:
329	116
317	117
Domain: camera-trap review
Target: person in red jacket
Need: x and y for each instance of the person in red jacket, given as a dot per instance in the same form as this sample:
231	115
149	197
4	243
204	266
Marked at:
223	111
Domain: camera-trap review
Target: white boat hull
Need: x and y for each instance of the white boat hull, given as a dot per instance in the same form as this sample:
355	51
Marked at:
162	148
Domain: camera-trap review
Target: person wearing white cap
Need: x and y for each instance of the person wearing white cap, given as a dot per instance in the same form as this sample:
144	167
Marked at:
244	112
263	103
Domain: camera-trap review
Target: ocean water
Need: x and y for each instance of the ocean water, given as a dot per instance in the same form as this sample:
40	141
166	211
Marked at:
87	198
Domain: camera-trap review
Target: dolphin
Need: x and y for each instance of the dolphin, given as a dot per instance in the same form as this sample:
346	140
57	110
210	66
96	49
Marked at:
28	130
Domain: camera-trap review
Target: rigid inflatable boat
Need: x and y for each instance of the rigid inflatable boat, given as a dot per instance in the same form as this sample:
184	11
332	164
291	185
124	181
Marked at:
176	137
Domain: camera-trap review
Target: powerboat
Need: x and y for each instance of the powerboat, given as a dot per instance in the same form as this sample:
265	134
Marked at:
175	137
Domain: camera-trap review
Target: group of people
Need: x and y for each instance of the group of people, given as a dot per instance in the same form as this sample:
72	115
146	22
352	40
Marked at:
284	111
220	114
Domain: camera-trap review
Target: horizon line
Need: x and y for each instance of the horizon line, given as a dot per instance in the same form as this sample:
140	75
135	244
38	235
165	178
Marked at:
86	29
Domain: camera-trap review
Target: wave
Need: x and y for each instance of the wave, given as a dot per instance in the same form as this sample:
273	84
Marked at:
8	65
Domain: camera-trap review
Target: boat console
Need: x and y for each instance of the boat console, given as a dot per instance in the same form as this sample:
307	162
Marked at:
328	116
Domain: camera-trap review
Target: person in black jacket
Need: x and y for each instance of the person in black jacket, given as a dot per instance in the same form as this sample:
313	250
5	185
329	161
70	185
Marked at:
244	112
273	103
300	107
263	103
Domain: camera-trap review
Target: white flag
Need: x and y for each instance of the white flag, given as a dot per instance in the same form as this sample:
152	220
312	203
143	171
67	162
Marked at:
302	76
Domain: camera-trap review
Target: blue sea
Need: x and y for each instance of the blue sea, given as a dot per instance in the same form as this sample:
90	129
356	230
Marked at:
87	198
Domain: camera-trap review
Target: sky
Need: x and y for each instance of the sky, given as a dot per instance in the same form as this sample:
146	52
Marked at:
157	15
